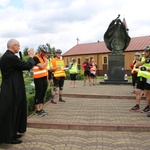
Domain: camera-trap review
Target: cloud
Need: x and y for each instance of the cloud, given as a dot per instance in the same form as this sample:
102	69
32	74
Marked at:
60	22
4	3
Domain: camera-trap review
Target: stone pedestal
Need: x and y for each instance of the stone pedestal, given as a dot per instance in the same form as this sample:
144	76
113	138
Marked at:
115	70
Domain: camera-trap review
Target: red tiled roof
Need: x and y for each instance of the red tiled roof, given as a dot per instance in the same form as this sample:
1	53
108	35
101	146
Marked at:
136	43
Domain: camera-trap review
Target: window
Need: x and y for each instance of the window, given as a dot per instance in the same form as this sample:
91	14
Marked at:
78	60
105	60
79	63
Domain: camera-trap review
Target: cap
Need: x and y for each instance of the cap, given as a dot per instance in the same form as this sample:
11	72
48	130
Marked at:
147	48
137	54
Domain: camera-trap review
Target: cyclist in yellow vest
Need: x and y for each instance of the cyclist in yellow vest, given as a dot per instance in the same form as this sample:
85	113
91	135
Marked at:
143	82
40	74
59	75
73	70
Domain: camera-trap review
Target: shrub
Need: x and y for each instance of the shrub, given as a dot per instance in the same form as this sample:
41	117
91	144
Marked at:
30	103
79	76
30	92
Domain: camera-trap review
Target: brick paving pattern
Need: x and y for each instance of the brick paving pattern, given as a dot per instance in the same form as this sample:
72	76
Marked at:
89	123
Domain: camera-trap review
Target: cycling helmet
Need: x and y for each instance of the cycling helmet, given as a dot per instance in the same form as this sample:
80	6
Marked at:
58	51
43	48
137	54
147	48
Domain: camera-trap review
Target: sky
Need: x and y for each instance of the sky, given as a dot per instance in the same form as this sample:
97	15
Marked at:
61	22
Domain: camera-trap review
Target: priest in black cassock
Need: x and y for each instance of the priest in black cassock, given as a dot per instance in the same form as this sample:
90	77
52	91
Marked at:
13	106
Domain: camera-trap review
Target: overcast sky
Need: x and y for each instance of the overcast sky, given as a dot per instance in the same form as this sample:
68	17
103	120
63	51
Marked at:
60	22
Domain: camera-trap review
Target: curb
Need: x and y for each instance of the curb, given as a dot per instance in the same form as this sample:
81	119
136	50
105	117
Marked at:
89	127
100	96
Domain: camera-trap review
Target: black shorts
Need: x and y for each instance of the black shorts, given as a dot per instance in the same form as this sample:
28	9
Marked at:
50	76
58	82
73	76
142	83
87	73
134	79
40	89
93	75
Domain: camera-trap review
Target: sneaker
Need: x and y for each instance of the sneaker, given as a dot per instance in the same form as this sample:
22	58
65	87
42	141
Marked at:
75	86
146	109
44	112
39	113
52	101
136	108
61	100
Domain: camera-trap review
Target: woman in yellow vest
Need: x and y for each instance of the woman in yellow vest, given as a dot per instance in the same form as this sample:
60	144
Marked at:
58	67
40	74
73	70
143	82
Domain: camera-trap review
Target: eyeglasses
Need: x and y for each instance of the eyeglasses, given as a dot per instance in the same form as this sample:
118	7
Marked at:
17	45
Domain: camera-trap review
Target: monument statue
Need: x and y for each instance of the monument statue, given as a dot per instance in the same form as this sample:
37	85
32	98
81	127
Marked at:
116	37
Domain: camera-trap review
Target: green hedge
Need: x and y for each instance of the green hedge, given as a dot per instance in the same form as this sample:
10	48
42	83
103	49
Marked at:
30	92
79	76
30	100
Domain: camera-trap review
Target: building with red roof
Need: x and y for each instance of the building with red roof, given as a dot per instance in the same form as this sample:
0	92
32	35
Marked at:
99	52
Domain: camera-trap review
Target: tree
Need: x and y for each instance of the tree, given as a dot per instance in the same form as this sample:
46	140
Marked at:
50	49
25	51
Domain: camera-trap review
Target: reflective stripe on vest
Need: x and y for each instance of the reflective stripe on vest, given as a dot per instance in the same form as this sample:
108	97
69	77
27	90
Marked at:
145	74
38	72
59	72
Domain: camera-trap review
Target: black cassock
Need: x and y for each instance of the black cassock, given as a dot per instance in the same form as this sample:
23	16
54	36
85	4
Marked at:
13	105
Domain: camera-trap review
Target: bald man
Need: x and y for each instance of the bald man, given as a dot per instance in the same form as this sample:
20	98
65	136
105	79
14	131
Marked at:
13	107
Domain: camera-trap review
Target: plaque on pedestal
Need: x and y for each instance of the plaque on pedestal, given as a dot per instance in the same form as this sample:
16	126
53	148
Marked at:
116	72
